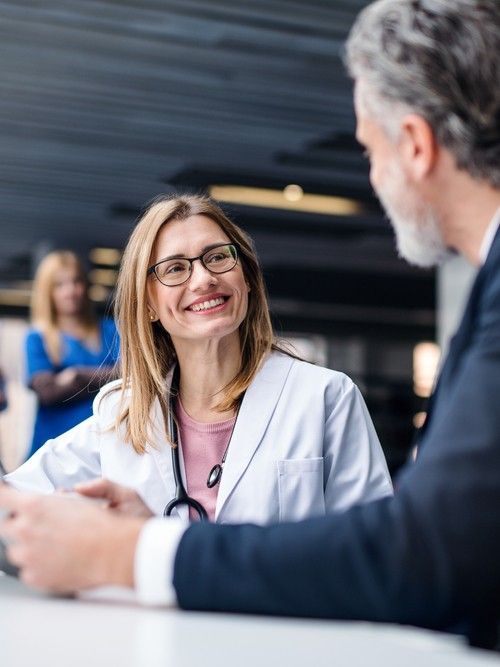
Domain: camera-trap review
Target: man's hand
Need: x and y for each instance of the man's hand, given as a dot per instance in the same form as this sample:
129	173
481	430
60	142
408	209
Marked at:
66	544
120	499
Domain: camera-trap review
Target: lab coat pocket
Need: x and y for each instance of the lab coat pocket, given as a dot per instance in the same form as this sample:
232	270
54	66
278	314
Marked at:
300	488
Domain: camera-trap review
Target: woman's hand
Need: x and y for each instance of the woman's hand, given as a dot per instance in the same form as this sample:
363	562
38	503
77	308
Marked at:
66	377
120	499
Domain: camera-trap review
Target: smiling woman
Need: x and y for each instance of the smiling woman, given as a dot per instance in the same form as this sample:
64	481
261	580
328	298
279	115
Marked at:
212	418
200	297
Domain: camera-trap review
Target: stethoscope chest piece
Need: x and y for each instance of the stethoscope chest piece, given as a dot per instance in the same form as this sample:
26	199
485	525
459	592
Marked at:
214	476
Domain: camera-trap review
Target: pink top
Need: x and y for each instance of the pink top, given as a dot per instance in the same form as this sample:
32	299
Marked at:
202	445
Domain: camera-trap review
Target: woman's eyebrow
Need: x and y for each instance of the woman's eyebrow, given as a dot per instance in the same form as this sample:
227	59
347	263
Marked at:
203	250
178	256
215	245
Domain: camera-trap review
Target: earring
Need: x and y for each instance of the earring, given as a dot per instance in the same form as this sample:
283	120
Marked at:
152	317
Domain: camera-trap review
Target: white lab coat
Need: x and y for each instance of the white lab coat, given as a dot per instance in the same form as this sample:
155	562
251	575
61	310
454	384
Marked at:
303	445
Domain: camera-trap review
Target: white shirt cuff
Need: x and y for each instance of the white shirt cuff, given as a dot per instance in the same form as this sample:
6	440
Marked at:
154	561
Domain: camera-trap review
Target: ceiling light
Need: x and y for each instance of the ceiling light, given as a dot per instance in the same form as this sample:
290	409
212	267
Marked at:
268	198
419	419
99	293
103	276
293	192
425	362
15	297
106	256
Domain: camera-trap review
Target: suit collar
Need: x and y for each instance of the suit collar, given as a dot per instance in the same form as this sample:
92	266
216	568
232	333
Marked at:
489	237
466	327
464	332
254	416
493	256
460	341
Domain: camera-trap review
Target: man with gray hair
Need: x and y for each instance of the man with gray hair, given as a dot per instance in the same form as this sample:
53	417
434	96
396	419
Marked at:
427	98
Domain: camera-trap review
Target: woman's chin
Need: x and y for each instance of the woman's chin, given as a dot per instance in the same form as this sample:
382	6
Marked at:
209	331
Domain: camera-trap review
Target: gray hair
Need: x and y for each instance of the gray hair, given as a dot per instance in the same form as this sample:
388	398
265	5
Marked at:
440	59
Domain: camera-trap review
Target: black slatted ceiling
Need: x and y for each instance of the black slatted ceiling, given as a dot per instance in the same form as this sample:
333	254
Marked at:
105	104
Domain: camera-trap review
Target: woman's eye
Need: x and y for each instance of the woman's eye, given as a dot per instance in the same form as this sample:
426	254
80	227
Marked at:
218	257
174	268
170	269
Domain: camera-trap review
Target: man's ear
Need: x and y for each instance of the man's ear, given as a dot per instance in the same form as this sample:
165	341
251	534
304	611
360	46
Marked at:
417	146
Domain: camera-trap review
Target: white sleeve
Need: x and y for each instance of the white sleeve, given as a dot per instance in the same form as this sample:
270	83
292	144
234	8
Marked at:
355	467
154	561
62	462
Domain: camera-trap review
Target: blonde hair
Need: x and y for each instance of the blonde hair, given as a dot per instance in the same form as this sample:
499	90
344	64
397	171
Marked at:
146	349
43	309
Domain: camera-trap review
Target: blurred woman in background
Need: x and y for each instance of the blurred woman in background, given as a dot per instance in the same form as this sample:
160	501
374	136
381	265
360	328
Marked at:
70	353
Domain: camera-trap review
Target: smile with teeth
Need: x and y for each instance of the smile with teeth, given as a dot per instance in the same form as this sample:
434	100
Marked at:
212	303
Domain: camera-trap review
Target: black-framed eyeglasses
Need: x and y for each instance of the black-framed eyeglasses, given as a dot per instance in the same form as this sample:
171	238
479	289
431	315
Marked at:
176	270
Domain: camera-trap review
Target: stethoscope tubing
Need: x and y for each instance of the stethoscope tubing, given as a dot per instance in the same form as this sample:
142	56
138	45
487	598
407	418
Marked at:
181	496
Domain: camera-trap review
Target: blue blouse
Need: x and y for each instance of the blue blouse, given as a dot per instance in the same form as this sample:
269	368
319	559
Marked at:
52	420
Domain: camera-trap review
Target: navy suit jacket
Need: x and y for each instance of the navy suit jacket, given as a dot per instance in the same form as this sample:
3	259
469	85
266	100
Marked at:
430	556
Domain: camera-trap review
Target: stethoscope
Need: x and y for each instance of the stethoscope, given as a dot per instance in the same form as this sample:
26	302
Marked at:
181	496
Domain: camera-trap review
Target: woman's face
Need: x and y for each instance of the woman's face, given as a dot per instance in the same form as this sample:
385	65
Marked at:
185	310
68	291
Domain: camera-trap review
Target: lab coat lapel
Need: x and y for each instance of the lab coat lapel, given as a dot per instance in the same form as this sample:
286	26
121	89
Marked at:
254	415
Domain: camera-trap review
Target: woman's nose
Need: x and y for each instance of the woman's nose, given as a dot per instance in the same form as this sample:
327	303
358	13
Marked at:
201	278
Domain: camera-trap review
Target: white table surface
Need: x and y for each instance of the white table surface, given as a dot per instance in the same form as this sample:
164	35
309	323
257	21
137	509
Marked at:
36	631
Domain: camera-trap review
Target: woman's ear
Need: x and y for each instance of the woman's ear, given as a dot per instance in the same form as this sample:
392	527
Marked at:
153	317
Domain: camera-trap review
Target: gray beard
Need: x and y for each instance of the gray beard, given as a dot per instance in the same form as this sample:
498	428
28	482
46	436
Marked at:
418	235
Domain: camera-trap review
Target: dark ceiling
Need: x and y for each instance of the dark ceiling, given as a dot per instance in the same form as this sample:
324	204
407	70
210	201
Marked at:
105	104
